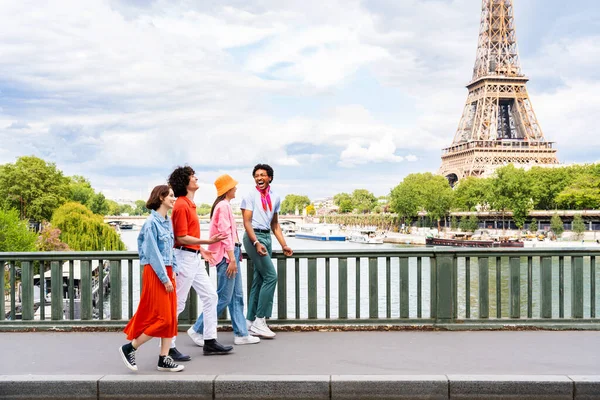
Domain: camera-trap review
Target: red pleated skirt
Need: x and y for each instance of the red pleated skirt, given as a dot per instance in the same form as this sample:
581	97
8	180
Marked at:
156	314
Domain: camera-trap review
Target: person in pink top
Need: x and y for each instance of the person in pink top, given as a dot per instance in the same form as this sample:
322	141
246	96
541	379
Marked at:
227	255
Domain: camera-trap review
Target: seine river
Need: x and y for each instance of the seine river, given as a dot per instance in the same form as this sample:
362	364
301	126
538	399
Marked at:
130	239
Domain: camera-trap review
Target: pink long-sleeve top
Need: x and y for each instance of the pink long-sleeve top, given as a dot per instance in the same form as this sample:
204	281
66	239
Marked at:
223	221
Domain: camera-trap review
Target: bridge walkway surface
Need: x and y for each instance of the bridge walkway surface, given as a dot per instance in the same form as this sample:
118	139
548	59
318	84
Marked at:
311	365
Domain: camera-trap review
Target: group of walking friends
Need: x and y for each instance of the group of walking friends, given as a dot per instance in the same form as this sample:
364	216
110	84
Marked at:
171	254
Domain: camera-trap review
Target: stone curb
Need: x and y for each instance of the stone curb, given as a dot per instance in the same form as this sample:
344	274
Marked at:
150	387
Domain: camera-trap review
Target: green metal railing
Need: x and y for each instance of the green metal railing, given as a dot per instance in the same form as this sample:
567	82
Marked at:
424	286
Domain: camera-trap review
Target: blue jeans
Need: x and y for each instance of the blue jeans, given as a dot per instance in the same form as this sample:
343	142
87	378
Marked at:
231	295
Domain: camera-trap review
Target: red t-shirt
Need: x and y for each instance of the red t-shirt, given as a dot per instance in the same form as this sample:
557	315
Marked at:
185	221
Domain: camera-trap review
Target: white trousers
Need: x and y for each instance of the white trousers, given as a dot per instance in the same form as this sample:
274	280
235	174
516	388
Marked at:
192	273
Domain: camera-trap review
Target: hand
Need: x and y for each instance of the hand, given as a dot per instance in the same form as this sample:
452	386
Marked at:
287	250
208	256
168	286
260	249
231	269
217	238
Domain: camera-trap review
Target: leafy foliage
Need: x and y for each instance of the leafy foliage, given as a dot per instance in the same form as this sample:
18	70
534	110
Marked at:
83	230
203	209
511	190
33	187
556	225
344	202
49	239
424	191
310	210
582	194
293	202
14	233
533	227
578	225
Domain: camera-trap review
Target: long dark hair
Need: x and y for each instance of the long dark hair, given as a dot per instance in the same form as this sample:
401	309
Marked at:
217	201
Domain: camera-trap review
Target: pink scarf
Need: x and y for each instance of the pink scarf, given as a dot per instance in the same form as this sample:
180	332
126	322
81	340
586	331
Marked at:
265	198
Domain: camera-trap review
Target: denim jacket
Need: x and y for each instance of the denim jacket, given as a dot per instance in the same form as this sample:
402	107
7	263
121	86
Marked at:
155	245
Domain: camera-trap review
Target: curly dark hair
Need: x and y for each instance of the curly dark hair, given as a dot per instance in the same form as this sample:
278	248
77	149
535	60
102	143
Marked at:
179	179
157	196
266	167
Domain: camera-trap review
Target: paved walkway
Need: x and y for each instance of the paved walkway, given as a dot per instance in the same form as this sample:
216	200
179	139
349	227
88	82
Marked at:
318	353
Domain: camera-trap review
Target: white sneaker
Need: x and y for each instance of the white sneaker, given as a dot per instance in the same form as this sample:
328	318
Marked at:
245	340
196	337
260	328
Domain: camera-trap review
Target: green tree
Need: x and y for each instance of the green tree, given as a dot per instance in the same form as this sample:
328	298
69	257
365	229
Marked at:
114	208
556	225
533	227
33	187
126	209
437	197
14	233
363	200
406	198
83	230
293	202
344	202
81	190
470	192
453	222
140	208
578	225
203	209
473	222
98	204
582	194
511	190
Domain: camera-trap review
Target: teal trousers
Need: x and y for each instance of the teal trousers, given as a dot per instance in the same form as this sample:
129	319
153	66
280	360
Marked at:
264	280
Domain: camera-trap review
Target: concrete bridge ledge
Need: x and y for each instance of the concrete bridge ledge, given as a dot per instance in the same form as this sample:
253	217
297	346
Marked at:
150	387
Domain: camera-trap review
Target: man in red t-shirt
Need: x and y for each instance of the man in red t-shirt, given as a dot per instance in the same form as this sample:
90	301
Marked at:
192	273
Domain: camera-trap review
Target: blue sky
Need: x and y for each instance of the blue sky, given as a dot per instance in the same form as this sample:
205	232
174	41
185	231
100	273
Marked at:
335	95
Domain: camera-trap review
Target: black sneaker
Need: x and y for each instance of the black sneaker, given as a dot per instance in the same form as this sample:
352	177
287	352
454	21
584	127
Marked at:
165	363
212	347
177	356
127	353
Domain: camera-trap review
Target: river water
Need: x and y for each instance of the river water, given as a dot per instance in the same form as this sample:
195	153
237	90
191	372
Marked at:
129	237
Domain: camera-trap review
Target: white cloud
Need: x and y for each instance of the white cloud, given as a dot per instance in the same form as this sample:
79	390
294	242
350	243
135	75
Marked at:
382	150
123	91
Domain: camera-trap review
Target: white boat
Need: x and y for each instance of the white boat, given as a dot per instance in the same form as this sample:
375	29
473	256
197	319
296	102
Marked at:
365	236
321	232
288	228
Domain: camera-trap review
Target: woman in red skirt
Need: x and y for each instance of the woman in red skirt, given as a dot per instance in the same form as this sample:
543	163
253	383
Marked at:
156	315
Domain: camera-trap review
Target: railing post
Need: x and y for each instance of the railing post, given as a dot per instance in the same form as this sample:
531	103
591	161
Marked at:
56	294
404	309
27	290
446	288
484	287
312	288
546	287
373	289
116	301
86	290
343	288
515	287
281	288
577	287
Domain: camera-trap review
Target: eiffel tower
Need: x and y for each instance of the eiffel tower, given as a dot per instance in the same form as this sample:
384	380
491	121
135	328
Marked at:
498	125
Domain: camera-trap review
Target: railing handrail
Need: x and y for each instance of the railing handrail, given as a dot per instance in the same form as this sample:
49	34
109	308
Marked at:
409	251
